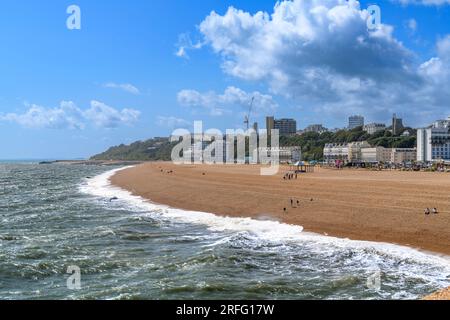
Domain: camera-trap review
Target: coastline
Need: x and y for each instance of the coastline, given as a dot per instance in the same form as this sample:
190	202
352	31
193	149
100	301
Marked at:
240	192
147	181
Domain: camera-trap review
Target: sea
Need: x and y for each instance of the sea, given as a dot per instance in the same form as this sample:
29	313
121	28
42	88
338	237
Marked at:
67	234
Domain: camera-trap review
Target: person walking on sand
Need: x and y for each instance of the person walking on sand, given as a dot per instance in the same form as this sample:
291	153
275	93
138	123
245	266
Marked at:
292	203
427	211
435	211
285	210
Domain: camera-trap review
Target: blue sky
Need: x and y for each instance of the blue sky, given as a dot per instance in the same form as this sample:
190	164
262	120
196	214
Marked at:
139	69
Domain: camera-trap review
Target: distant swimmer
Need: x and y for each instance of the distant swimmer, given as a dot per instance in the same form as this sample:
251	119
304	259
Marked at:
113	199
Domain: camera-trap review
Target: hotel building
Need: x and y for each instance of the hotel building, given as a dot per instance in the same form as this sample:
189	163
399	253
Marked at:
433	143
362	152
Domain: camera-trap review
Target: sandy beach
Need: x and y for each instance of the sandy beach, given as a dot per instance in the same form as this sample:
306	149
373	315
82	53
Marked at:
383	206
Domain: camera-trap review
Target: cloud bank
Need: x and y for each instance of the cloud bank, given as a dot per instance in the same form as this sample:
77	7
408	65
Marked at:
424	2
219	104
320	53
69	116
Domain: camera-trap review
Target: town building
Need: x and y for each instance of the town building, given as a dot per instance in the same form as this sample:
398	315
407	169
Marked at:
373	128
334	151
388	155
355	122
397	125
286	127
375	155
354	151
402	155
363	152
270	124
285	154
433	143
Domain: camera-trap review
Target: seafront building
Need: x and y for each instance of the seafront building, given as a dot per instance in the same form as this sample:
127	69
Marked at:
388	155
286	154
334	152
354	151
402	155
433	143
363	152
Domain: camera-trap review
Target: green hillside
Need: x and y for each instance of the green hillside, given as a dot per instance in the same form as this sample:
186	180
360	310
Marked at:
156	149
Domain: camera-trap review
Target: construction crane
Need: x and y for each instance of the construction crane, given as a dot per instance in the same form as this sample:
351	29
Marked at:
247	117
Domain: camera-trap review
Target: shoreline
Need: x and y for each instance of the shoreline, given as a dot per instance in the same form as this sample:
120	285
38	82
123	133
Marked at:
228	194
126	179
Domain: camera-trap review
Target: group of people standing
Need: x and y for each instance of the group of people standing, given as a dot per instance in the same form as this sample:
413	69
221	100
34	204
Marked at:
290	176
295	203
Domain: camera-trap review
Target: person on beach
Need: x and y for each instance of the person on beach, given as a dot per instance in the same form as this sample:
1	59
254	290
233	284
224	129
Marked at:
435	211
285	210
427	211
292	203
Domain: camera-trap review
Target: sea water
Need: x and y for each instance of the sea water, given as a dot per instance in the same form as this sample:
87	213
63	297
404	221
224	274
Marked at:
55	216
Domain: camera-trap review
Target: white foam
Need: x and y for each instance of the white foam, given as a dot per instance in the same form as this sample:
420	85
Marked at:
100	186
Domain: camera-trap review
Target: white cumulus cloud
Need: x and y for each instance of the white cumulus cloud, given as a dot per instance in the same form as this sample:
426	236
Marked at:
127	87
105	116
219	104
69	116
321	54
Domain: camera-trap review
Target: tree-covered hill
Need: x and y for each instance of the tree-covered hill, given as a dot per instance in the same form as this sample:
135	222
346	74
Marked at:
156	149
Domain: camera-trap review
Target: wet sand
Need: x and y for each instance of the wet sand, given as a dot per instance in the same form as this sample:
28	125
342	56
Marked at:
440	295
386	206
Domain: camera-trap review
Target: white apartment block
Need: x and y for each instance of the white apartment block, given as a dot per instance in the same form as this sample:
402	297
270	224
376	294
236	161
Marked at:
333	152
433	143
